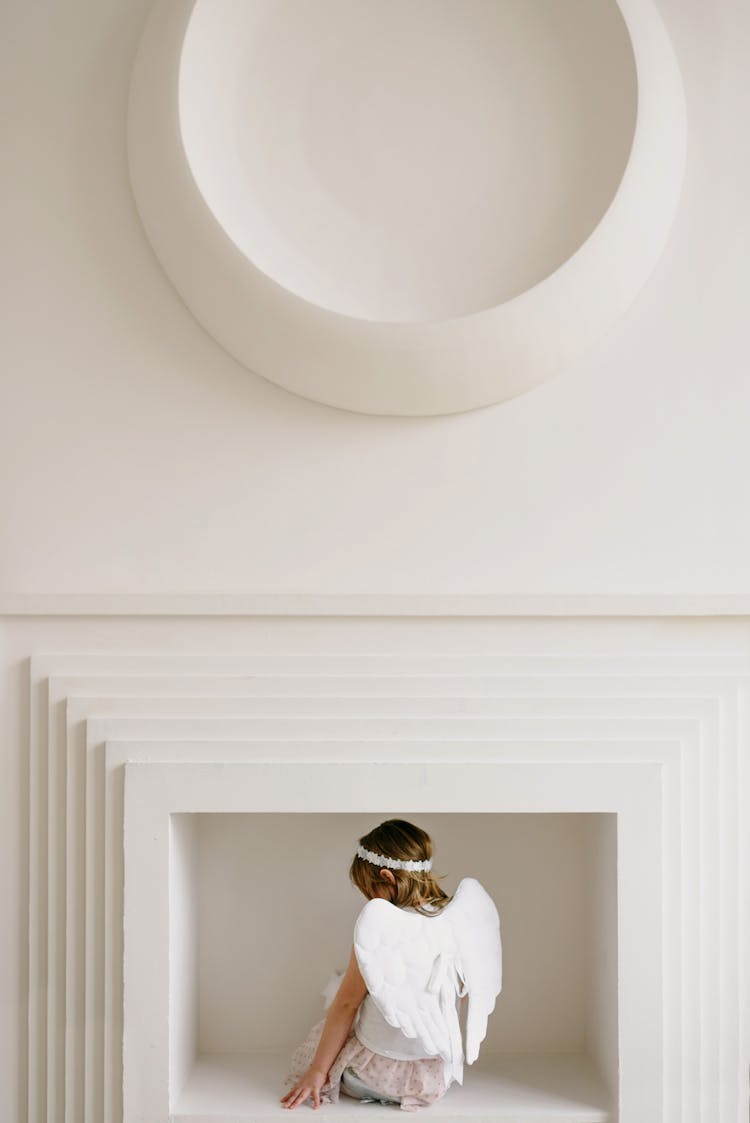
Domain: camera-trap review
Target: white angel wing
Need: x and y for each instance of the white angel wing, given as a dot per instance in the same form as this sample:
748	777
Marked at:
476	927
396	951
415	965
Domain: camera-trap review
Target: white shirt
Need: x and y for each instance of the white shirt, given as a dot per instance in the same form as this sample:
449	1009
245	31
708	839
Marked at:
372	1030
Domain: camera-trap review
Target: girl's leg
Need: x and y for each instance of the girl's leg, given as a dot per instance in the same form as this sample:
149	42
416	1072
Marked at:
358	1090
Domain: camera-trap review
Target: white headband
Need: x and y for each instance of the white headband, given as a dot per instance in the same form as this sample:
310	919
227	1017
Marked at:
392	863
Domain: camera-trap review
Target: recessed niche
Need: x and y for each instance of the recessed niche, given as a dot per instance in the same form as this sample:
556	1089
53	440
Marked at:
407	208
261	913
423	161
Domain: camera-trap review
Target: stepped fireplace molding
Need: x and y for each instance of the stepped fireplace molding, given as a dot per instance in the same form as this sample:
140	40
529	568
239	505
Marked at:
539	691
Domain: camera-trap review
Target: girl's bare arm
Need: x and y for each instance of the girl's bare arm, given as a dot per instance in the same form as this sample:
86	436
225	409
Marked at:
338	1022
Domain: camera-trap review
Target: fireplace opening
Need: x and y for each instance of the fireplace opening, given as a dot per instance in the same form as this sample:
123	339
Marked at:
262	913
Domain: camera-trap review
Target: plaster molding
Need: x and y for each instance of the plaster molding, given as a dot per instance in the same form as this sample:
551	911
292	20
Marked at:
683	709
414	368
374	604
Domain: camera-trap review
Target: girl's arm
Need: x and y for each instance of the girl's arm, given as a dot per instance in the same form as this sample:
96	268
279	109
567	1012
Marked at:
338	1022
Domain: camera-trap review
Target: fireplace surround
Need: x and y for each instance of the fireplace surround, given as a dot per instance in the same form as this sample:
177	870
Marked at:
483	696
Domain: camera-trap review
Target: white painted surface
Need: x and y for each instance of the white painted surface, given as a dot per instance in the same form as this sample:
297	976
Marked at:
579	742
562	1088
138	458
688	671
153	791
413	162
183	951
386	365
601	921
160	465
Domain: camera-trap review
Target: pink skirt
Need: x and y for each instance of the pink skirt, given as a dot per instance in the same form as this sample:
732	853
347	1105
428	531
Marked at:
416	1083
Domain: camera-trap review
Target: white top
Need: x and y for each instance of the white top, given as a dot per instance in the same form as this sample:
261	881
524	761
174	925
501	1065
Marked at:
372	1030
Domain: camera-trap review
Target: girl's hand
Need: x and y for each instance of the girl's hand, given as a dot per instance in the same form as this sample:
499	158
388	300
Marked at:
309	1085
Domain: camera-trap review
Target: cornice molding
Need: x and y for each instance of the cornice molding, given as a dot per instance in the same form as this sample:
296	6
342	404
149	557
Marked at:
372	604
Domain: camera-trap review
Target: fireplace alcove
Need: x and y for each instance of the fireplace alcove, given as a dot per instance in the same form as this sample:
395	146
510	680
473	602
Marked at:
227	944
262	911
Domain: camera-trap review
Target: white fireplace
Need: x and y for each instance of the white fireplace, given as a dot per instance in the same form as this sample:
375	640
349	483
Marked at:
621	771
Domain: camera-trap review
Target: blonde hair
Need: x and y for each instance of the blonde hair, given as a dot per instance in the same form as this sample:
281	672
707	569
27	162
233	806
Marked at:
397	838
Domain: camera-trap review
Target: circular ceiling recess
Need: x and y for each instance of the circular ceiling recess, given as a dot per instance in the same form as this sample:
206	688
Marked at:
406	208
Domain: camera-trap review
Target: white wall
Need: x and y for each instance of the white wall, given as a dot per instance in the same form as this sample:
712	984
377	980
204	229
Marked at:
138	457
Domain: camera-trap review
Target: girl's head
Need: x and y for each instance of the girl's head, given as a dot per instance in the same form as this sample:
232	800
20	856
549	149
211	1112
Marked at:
404	842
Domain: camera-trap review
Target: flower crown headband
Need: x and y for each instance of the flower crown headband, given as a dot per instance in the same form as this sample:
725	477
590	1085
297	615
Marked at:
392	863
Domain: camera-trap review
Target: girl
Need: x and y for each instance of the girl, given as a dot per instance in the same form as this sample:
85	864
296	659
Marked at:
355	1050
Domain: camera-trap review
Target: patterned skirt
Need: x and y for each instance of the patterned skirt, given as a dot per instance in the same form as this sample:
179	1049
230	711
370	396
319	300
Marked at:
416	1084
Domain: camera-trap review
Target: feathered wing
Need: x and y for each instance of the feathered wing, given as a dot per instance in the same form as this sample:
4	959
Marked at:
415	965
476	926
396	951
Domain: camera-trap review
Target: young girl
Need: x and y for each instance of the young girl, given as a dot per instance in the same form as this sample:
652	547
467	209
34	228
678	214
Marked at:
356	1049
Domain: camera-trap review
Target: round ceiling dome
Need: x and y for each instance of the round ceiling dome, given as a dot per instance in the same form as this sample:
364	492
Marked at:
406	208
